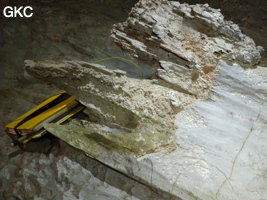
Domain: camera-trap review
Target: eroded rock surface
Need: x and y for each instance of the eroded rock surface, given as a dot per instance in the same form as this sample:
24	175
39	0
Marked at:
58	30
160	131
185	40
140	112
65	173
218	140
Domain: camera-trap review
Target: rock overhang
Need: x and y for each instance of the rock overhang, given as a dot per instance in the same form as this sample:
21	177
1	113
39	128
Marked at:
211	144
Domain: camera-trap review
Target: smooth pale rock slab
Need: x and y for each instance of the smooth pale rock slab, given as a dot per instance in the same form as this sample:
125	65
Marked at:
222	143
230	130
220	140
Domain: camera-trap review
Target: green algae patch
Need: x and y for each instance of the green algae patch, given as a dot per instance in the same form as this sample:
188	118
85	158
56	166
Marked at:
96	142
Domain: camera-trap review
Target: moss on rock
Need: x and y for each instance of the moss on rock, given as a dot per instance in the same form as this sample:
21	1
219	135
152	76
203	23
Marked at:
96	142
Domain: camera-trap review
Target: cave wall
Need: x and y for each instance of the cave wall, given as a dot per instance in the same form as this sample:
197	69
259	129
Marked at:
65	30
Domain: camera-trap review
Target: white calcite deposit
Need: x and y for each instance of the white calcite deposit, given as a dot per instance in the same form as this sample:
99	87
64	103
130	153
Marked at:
221	151
197	130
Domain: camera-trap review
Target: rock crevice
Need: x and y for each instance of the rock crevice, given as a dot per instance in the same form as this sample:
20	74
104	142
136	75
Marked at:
193	36
198	120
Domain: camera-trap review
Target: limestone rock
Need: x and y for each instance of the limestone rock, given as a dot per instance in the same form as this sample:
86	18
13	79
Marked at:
197	129
192	36
219	140
141	107
51	169
65	173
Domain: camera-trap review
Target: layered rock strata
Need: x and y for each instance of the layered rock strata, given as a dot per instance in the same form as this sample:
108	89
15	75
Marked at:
185	41
139	113
160	131
218	140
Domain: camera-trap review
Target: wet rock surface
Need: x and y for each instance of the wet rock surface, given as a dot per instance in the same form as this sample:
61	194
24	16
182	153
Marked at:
215	148
46	168
64	173
217	143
